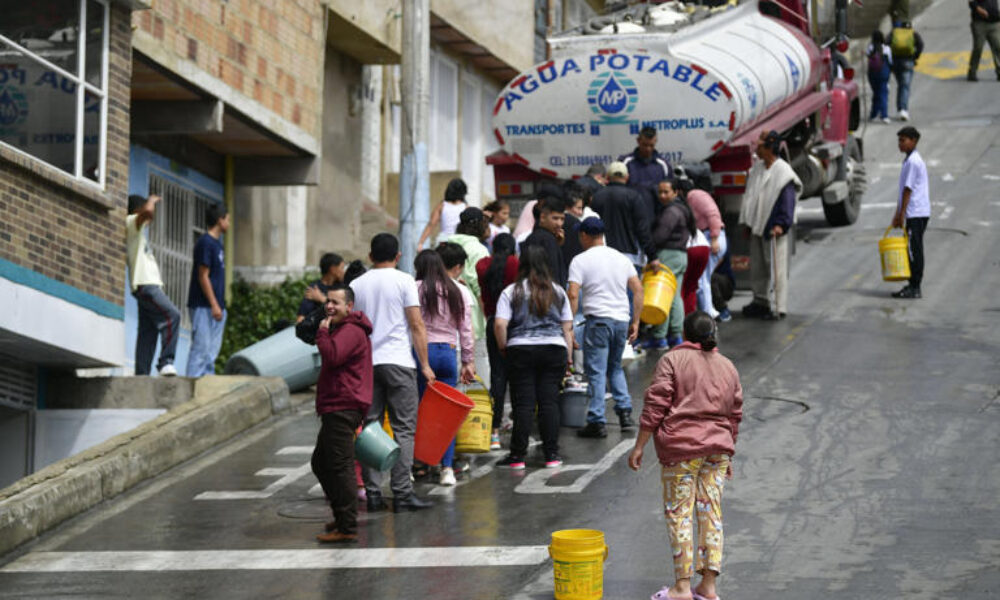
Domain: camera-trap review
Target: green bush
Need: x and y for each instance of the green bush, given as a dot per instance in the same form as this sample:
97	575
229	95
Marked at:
256	312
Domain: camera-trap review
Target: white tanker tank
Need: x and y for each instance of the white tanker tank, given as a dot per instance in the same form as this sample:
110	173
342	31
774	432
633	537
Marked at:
700	84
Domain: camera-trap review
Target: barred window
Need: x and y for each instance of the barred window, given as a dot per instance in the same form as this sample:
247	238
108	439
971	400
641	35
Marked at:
54	82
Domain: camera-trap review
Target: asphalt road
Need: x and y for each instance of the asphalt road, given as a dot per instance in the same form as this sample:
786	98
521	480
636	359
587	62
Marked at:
867	463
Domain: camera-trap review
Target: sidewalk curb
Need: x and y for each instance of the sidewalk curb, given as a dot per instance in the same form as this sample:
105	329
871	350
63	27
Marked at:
222	407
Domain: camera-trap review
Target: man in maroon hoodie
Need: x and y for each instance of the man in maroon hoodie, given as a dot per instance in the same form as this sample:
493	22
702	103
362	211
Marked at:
343	397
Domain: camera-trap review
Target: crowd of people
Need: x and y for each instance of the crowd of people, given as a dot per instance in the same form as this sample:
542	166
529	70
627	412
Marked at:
567	277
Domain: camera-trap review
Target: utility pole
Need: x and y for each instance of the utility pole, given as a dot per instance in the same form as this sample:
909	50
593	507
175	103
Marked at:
414	177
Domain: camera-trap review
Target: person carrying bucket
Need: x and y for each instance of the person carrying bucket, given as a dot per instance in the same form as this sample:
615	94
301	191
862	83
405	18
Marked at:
694	427
343	397
534	330
671	232
446	307
913	209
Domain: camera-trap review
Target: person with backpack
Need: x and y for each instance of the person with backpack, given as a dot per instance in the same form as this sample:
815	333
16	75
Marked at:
985	28
879	70
906	46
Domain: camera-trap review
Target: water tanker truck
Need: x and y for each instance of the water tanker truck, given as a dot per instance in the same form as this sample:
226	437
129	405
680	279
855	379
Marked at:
709	80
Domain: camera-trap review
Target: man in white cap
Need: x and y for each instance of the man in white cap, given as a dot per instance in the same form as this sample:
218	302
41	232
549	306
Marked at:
626	216
605	277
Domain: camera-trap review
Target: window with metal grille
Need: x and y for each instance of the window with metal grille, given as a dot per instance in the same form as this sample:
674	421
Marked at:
180	221
18	383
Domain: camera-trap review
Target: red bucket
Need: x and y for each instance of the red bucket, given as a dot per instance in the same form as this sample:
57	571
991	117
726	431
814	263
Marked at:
442	411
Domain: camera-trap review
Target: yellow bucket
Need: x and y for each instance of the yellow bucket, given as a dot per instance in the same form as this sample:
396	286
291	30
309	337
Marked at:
895	255
578	557
474	435
659	286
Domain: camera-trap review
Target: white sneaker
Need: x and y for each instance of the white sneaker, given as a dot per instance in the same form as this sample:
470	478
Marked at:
886	120
447	476
904	115
168	370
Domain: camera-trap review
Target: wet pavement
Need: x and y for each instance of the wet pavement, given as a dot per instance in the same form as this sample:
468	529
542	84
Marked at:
866	465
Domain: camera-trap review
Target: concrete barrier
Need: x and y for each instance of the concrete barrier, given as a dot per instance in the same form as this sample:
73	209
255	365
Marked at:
222	407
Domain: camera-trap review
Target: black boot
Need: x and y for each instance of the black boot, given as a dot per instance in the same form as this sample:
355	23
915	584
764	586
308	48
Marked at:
625	419
593	430
376	502
410	502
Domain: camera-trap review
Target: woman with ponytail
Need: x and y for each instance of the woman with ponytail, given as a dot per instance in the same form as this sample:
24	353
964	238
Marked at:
495	273
692	411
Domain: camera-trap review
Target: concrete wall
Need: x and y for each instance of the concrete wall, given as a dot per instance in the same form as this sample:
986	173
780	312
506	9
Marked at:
505	27
334	208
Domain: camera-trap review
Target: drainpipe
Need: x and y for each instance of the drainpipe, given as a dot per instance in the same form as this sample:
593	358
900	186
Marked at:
414	177
229	240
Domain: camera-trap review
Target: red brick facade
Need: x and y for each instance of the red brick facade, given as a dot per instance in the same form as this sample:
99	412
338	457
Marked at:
269	51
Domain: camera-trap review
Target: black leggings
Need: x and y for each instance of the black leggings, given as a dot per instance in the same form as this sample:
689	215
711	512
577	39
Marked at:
498	374
535	373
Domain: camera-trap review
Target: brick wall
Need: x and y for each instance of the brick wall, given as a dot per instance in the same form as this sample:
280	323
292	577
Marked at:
269	51
64	229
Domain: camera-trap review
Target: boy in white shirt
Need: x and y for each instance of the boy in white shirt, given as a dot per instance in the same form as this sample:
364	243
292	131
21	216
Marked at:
605	276
913	209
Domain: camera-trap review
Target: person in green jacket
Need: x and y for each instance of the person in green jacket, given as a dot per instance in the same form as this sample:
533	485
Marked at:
471	234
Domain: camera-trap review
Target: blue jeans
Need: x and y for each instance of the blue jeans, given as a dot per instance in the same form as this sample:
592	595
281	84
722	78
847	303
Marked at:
705	282
603	343
444	363
902	68
880	95
158	318
206	339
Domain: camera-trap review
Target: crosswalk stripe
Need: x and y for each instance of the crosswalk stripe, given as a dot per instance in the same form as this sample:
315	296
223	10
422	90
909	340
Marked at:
242	560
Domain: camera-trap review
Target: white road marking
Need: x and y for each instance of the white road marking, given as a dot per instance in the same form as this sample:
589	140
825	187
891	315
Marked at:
479	471
946	212
295	450
288	477
537	482
992	178
252	560
947	177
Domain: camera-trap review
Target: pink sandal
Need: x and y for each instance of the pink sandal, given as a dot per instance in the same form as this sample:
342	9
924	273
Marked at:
664	594
698	596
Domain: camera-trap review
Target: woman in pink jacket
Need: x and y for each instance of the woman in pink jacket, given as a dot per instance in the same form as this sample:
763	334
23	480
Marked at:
692	411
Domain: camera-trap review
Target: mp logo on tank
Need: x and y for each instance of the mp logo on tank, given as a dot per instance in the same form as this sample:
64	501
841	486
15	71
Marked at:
564	115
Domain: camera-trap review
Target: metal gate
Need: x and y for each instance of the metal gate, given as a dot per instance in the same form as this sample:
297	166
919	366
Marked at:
180	221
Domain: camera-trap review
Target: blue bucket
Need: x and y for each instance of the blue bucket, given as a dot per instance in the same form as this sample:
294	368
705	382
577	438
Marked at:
375	449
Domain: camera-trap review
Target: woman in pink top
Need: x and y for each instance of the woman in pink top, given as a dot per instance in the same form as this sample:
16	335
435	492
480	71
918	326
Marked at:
709	220
692	411
445	310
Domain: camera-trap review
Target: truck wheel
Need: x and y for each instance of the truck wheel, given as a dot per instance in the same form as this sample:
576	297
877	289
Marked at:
846	212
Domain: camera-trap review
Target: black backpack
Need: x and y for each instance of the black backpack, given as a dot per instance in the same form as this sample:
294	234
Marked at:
306	329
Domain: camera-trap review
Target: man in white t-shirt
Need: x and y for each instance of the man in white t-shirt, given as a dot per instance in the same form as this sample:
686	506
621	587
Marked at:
158	317
605	276
913	209
388	297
